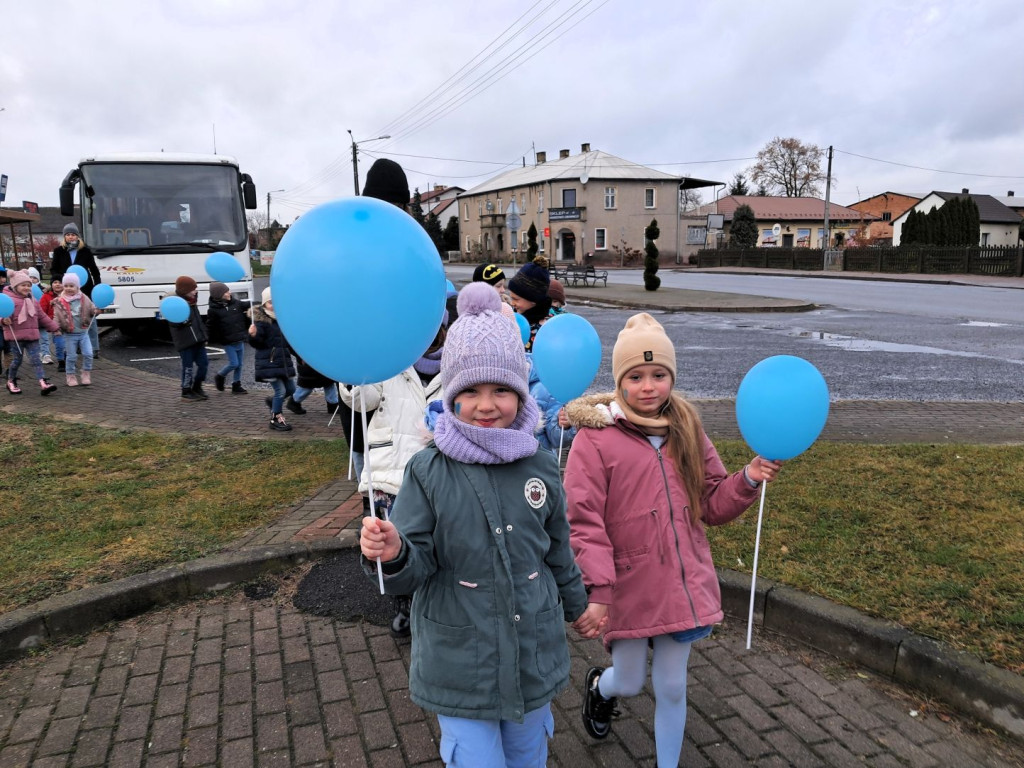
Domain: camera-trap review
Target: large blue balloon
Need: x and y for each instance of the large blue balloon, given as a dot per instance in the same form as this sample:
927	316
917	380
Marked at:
37	292
102	296
174	309
79	271
224	267
380	289
524	328
567	354
781	406
6	305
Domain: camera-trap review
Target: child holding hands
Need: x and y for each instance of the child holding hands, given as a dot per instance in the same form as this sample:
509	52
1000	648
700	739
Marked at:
642	481
21	331
478	535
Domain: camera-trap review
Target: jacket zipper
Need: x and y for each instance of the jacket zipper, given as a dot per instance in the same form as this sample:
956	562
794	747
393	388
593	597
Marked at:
675	534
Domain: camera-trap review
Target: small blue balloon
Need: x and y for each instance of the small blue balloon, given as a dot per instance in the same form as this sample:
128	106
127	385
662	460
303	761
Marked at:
102	296
37	292
79	271
450	288
6	305
355	246
224	268
174	309
781	407
524	328
567	356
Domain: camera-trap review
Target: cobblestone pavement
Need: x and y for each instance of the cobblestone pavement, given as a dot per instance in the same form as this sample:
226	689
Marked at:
238	682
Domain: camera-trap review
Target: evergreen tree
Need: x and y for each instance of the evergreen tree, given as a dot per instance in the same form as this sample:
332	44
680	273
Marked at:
531	241
973	223
651	279
743	231
739	185
451	234
911	229
416	209
433	227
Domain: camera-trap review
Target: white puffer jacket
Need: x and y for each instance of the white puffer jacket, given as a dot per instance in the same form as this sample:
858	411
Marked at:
397	431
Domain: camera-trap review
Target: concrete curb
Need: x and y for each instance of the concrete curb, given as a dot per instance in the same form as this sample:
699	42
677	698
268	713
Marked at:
83	610
991	695
586	300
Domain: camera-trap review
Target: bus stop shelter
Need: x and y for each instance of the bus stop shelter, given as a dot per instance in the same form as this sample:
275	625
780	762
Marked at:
16	247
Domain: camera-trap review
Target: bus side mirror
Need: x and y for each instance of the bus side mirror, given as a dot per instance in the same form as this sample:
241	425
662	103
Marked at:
248	193
67	200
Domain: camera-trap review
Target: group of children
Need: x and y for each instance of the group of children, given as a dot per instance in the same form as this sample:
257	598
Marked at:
64	313
492	551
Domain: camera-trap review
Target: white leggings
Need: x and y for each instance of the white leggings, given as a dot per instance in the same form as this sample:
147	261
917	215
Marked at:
626	677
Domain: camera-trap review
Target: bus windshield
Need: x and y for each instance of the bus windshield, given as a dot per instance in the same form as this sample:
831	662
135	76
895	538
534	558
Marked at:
156	207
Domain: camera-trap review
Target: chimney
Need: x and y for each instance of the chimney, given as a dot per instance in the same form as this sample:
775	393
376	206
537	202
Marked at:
584	148
965	191
542	157
439	187
1009	193
563	153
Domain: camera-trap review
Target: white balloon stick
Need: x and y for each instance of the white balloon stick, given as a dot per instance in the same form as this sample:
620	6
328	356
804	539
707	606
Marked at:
369	483
753	577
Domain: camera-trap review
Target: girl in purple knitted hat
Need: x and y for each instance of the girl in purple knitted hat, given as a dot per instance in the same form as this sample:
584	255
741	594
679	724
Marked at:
479	536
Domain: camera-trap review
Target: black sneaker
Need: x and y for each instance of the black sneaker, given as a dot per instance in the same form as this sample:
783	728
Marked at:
280	424
400	624
62	366
597	710
238	389
218	382
294	407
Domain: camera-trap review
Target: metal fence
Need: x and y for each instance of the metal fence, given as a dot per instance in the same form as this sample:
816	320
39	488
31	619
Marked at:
1004	261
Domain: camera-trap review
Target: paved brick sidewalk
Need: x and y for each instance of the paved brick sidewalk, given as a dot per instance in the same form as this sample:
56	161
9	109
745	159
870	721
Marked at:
237	682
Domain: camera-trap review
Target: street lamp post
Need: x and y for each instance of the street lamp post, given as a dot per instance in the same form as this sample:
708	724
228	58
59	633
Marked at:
355	157
268	214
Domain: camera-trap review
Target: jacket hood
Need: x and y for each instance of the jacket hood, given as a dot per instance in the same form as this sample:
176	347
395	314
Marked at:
594	411
259	315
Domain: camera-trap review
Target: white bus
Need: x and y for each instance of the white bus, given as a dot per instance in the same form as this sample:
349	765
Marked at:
152	217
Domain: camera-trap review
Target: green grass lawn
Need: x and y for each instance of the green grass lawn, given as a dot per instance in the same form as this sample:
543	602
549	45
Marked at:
929	536
82	505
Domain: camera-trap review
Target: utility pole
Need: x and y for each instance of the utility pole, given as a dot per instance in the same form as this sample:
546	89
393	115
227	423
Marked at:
268	216
355	157
828	191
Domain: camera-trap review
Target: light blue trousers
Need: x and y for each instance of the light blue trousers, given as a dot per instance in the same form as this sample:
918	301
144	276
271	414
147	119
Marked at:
469	743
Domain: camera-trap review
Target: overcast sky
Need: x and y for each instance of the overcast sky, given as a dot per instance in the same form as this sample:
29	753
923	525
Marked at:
685	87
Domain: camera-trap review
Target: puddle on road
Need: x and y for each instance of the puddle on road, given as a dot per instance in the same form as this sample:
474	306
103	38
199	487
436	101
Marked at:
852	344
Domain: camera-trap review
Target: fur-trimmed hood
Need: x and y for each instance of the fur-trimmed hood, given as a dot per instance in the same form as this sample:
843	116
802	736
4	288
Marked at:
259	314
594	411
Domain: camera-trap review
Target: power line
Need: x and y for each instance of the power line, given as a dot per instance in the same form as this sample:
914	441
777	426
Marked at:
932	170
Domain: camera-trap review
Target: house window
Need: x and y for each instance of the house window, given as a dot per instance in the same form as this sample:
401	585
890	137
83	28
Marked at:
601	239
501	206
481	210
540	242
568	198
526	240
466	209
696	235
984	238
821	238
609	198
469	244
803	238
886	215
768	238
649	198
540	203
522	201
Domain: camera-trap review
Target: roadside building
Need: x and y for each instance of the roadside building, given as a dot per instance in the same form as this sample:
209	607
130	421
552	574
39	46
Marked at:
592	203
884	207
800	220
1000	225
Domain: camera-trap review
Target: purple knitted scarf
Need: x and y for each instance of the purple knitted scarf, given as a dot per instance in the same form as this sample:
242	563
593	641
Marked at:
487	445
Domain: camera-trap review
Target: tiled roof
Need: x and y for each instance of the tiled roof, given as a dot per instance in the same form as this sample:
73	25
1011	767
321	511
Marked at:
444	205
990	210
786	208
597	165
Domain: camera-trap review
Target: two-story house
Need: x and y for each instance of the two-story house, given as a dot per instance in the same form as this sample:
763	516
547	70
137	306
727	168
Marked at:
580	204
884	207
999	225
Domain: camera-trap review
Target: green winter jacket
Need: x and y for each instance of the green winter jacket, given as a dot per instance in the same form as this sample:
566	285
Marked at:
486	556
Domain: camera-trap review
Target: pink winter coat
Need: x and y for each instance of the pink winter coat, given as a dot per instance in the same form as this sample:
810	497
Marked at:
25	327
631	529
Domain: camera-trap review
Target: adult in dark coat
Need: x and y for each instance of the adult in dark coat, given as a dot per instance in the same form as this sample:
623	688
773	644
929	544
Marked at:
74	251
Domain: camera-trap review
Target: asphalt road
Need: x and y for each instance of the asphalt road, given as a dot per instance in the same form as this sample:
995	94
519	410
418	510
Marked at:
950	352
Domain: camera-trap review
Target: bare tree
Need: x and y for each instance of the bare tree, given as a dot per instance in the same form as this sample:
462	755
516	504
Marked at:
256	225
789	167
689	200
